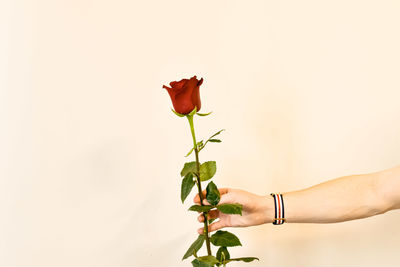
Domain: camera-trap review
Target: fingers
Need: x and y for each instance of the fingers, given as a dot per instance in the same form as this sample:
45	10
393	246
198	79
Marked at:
196	199
225	198
212	227
213	214
228	198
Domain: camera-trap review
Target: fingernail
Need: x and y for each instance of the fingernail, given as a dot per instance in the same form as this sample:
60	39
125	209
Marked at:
200	231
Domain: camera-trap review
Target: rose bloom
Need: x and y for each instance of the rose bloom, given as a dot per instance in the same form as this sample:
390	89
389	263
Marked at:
185	94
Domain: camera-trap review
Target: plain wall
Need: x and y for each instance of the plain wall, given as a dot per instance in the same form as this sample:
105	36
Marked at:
90	152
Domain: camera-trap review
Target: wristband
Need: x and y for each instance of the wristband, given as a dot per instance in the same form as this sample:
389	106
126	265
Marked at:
279	209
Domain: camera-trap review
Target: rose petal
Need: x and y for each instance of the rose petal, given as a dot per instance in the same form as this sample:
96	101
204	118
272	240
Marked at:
178	85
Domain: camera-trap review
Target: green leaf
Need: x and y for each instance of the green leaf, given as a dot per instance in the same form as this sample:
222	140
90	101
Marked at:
212	194
194	247
204	114
210	221
190	152
245	259
188	167
211	139
217	133
197	263
199	146
230	208
223	254
187	185
211	260
201	208
207	170
225	239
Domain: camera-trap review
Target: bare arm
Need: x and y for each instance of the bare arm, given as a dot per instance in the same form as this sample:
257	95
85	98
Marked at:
345	198
341	199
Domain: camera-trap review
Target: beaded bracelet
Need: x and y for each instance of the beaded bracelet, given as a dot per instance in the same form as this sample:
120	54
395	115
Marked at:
279	209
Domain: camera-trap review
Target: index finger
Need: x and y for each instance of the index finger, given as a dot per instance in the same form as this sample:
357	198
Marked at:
221	192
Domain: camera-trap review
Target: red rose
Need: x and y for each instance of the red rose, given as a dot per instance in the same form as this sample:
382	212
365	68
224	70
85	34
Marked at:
185	94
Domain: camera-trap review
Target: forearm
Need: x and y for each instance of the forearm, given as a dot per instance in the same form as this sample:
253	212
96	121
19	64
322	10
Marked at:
345	198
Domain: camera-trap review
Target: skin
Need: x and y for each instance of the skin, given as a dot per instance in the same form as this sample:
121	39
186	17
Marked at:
342	199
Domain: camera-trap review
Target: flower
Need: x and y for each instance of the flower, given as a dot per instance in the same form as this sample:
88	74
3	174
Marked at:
185	94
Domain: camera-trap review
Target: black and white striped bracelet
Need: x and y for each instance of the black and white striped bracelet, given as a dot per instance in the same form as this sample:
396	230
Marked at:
279	209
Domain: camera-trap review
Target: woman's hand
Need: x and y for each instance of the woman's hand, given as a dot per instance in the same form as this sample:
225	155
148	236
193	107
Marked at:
256	209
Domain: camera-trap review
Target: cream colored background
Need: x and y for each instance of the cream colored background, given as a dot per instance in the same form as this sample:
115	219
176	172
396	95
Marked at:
91	153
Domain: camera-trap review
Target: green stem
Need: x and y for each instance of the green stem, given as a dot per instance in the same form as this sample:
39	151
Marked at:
198	182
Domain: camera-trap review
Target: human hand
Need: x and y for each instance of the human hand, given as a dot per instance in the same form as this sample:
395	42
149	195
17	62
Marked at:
256	209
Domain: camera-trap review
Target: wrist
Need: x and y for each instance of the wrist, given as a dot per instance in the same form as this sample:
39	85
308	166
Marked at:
267	208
